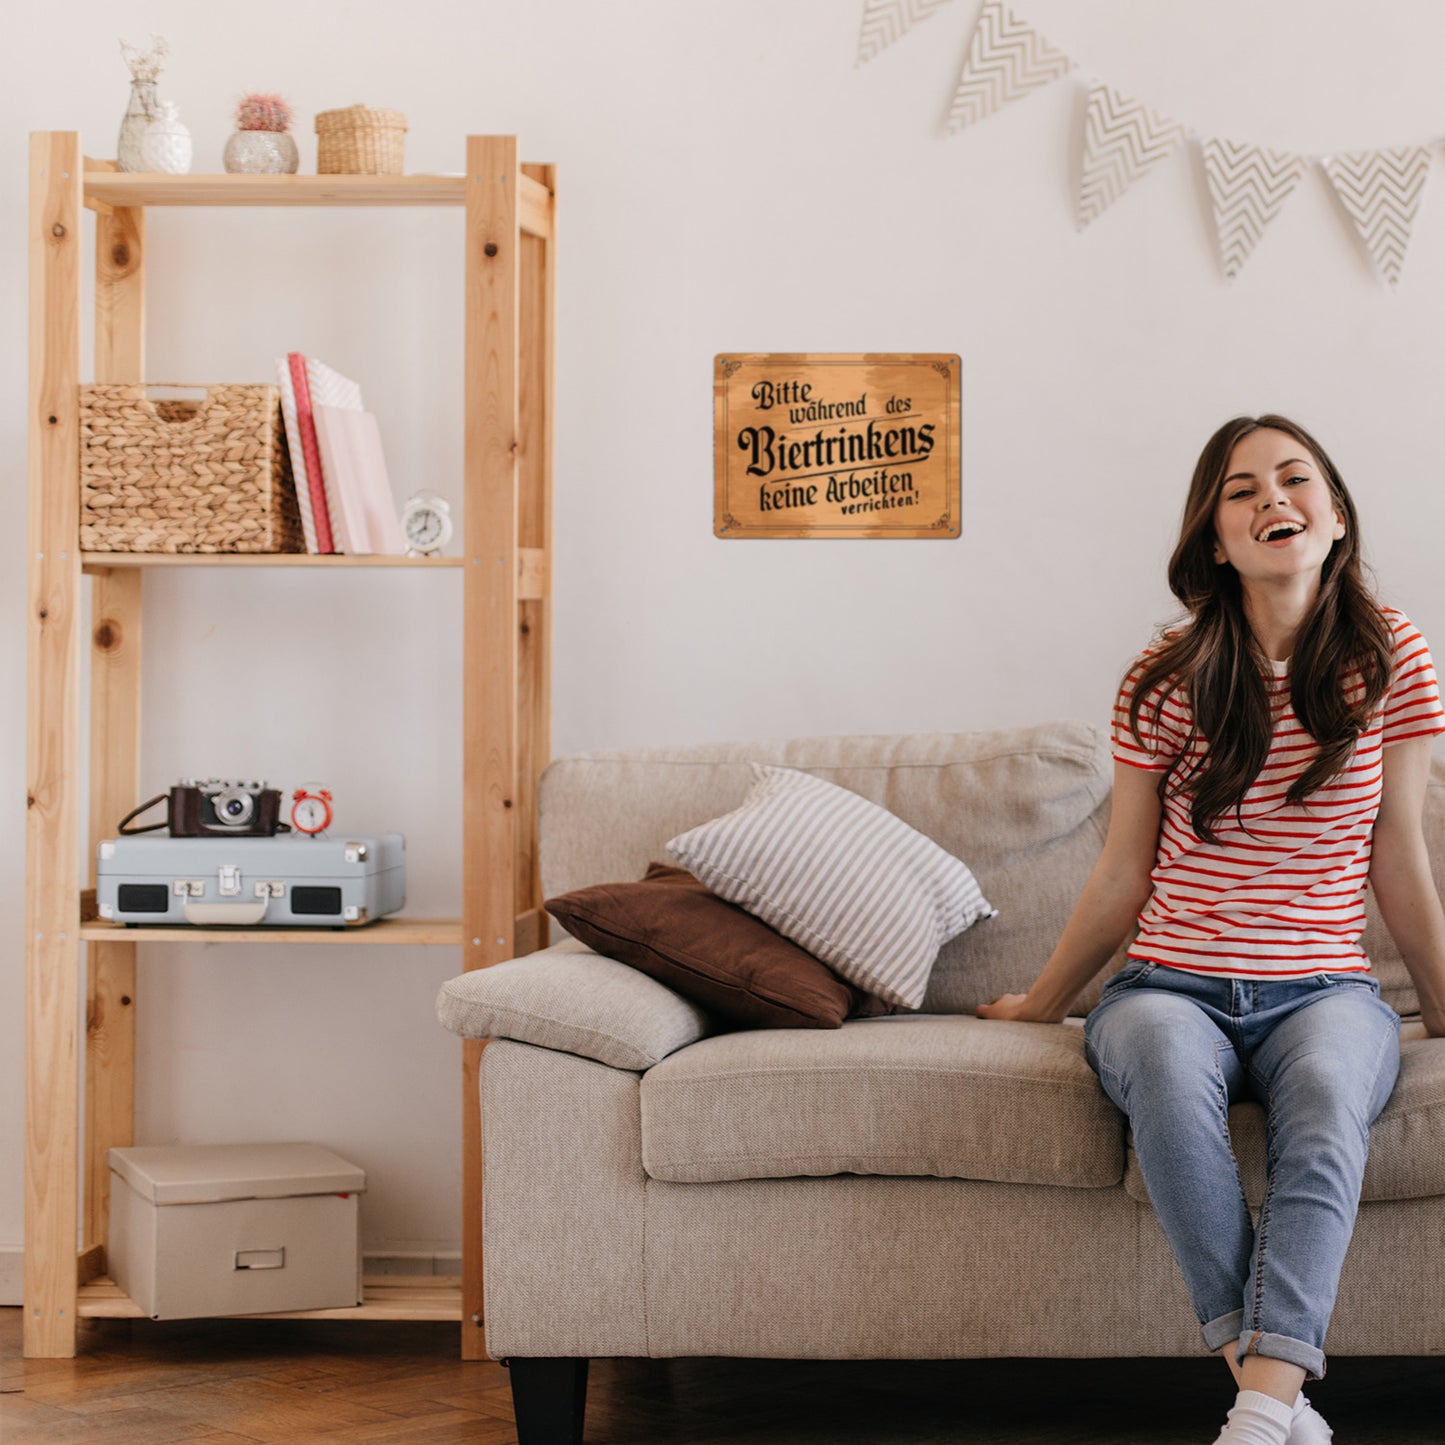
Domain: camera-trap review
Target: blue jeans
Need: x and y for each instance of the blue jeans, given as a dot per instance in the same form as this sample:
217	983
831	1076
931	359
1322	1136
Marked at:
1173	1050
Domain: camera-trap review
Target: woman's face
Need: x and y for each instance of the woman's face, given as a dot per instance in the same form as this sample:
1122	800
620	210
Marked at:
1275	519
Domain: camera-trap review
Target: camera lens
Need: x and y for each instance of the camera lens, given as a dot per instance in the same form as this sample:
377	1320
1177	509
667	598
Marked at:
234	807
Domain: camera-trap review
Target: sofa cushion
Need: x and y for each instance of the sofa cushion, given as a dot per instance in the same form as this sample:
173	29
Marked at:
952	1097
672	928
842	877
575	1001
1407	1141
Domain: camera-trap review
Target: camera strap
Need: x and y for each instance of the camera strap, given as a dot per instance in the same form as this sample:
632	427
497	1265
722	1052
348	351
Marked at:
145	807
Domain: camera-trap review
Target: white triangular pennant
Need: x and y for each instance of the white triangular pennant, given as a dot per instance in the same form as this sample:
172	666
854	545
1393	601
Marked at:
884	21
1007	58
1122	140
1381	190
1248	186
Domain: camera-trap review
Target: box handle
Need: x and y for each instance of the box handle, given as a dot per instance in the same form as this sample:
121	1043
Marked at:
260	1259
151	404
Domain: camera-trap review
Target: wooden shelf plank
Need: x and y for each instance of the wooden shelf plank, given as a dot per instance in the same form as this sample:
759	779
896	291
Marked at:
100	561
385	930
386	1297
143	188
532	564
146	188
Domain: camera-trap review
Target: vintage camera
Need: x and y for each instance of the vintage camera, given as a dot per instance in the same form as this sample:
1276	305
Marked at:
215	806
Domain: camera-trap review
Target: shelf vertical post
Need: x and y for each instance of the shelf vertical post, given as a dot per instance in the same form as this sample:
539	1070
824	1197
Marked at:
537	311
489	705
52	891
115	640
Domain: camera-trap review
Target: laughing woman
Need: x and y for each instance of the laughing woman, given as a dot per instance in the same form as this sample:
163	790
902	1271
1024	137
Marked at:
1271	758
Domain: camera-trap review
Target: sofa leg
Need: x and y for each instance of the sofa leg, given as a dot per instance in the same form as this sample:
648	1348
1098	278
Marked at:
549	1397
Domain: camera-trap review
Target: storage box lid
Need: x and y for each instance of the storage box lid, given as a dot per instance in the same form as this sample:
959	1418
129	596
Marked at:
210	1173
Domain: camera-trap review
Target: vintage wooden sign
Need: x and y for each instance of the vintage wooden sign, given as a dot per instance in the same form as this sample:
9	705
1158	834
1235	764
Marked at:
835	446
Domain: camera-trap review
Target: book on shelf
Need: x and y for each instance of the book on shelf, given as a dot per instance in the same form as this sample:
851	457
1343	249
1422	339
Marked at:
300	429
358	490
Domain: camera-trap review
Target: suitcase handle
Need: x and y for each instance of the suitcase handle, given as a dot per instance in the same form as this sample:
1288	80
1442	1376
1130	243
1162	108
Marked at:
236	913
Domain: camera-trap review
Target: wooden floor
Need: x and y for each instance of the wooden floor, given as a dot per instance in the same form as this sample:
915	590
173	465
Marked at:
136	1383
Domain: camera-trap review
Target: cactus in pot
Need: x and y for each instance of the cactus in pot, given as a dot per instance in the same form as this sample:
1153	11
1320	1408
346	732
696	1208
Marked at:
262	143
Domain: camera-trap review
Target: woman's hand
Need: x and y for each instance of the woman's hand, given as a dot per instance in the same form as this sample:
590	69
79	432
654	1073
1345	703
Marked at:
1011	1006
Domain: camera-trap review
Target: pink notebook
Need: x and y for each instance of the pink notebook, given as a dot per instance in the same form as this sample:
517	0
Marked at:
306	428
301	473
362	506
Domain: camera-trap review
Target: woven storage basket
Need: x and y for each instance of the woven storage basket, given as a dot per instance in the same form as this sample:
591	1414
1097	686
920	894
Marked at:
359	142
186	476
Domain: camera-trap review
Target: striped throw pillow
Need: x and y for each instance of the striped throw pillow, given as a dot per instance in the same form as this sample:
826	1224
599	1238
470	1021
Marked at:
843	878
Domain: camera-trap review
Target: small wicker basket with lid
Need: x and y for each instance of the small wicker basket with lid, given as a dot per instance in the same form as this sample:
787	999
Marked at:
359	142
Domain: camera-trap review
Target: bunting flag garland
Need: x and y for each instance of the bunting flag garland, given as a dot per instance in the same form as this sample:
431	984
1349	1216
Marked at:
1248	186
1381	190
885	21
1122	140
1006	59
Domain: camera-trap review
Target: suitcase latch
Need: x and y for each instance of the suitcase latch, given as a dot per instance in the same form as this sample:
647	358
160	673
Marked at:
229	880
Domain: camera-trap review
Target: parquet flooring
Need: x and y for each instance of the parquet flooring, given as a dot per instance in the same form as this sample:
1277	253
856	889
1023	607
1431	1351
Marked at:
139	1383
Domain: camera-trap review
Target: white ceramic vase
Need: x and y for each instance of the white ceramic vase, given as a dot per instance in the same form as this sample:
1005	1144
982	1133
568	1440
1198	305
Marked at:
261	152
166	146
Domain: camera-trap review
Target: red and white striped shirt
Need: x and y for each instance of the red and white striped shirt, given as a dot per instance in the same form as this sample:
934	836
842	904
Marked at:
1284	895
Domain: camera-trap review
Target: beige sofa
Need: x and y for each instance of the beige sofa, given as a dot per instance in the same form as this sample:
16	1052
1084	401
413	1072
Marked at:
917	1186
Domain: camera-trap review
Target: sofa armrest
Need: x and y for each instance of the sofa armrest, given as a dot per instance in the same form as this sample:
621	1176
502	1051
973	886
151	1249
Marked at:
575	1001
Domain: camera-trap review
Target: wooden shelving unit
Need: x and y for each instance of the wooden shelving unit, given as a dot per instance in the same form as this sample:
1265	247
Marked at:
510	235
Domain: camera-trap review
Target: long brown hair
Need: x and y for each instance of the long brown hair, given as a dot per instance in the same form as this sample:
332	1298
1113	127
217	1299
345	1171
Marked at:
1219	663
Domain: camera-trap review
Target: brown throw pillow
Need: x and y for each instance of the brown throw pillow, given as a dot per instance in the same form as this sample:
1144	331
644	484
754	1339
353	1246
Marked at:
670	927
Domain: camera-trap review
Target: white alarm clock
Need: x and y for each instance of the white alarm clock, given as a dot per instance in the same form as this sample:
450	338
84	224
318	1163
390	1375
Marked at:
311	809
426	524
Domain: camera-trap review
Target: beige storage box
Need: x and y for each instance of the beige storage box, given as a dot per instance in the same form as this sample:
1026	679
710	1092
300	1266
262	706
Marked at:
235	1229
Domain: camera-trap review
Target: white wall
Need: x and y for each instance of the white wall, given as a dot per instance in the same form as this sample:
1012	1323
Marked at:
730	181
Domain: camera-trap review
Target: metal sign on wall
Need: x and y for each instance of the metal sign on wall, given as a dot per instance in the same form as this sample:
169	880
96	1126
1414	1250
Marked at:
815	445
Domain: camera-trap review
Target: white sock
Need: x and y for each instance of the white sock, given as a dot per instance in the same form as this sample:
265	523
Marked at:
1257	1419
1307	1425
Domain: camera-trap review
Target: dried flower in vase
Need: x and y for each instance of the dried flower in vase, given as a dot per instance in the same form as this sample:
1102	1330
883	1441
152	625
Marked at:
143	108
260	111
145	64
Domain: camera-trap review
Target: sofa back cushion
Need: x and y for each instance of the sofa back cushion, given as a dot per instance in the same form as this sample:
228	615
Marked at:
1025	808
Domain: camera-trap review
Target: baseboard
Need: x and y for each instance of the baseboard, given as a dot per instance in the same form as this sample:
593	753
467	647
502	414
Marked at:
12	1268
410	1263
12	1275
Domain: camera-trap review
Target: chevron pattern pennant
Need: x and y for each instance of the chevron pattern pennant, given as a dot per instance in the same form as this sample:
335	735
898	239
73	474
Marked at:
1248	186
1122	140
885	21
1007	58
1381	190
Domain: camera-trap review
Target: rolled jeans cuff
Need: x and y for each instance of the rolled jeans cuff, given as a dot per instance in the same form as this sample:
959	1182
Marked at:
1281	1347
1223	1331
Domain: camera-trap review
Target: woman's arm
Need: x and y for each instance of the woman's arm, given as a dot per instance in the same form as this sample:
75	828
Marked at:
1112	898
1400	875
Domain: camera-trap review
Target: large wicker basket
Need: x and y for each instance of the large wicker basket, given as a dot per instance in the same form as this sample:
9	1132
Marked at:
359	142
186	476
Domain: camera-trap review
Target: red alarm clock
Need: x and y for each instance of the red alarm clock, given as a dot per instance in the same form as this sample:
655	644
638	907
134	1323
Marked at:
311	809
